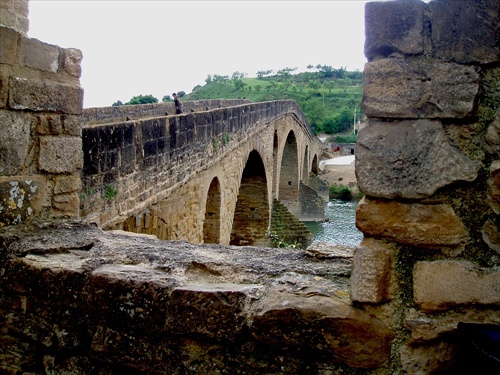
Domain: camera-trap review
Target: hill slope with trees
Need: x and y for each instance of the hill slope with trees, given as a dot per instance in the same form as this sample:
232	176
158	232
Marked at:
330	98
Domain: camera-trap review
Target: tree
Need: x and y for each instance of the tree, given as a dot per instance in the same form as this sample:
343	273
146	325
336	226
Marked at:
218	78
263	73
238	75
239	84
181	93
117	103
285	72
166	98
143	99
315	85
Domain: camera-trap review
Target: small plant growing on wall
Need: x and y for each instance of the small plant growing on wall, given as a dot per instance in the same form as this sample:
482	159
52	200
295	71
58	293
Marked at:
226	138
276	241
215	144
110	192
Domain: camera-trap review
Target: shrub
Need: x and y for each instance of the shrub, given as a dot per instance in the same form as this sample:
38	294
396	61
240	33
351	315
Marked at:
340	192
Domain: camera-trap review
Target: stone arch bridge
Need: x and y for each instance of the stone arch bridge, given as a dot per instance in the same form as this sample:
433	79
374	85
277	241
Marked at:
211	175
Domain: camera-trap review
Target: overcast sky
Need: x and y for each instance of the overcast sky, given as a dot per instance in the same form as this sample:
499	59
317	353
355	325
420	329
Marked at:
158	47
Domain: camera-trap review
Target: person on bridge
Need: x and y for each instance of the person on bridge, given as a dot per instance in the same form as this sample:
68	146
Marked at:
178	104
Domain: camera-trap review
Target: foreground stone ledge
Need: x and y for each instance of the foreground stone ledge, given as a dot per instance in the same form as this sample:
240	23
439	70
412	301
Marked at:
442	285
158	306
325	323
421	225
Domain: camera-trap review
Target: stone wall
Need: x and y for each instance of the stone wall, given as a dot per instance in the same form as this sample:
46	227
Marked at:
40	132
104	115
428	162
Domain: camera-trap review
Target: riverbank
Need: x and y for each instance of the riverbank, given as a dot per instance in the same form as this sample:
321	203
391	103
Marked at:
339	171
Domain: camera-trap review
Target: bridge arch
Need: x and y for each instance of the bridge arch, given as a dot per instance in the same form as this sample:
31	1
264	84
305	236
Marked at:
252	211
289	174
212	221
305	166
275	164
315	165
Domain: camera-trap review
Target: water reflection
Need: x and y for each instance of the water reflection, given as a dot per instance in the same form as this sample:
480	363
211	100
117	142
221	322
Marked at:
341	229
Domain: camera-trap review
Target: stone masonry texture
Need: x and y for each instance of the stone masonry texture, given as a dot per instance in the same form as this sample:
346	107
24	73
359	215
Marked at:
427	162
77	299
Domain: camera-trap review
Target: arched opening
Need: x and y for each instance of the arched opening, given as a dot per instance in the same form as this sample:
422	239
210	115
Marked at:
251	215
289	172
211	224
305	167
275	164
314	165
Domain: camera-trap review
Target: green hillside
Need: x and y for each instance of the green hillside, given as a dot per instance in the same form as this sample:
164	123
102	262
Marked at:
329	97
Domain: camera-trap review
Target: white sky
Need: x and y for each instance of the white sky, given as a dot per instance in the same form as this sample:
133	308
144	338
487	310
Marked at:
158	47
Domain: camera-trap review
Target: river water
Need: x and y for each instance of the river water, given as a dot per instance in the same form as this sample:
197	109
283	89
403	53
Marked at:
341	228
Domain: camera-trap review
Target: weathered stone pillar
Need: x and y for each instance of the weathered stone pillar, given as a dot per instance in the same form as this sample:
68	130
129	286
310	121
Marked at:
428	163
40	129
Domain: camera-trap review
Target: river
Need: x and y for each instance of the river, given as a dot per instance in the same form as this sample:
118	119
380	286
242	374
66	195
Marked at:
341	228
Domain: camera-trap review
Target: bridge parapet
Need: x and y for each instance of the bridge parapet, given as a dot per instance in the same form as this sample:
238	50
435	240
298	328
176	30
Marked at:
104	115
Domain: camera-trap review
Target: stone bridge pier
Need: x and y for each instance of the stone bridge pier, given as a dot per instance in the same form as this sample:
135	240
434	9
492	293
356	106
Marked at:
421	294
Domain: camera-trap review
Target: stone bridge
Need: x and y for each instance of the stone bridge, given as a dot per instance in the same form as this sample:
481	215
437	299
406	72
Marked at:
207	176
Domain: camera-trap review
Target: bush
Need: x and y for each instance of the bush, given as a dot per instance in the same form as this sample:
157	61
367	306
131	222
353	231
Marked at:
340	192
350	138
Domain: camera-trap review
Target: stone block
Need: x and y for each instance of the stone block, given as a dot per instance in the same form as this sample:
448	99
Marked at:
445	284
15	128
67	184
8	47
72	60
131	297
493	136
38	55
414	224
394	27
4	86
286	319
21	198
491	235
14	14
60	154
371	272
72	125
215	310
466	31
405	88
493	184
413	159
66	205
42	95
